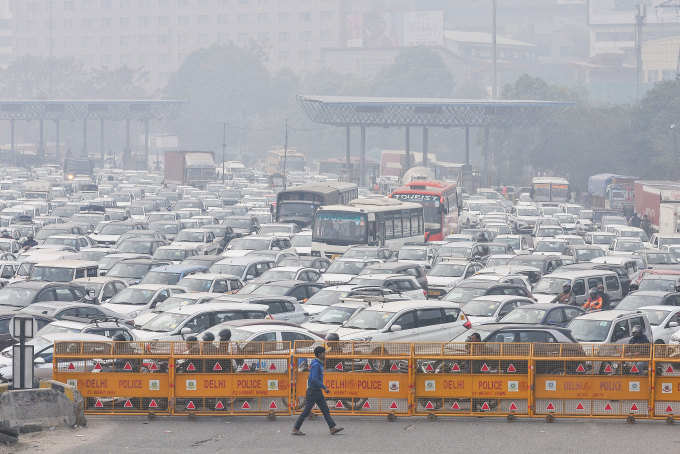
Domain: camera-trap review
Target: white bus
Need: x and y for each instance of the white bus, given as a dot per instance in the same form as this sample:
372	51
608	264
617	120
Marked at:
366	222
550	189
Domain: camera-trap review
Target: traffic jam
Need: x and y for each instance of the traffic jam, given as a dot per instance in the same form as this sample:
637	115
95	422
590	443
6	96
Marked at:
185	256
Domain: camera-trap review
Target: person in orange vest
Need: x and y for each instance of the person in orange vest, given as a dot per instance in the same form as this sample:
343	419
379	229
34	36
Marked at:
594	303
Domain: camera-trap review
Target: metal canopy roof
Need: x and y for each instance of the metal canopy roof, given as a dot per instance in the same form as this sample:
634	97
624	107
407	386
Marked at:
383	112
91	110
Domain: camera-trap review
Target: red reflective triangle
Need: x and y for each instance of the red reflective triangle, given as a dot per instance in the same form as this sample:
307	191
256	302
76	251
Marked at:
246	405
128	404
429	368
191	405
71	367
127	366
485	406
513	407
485	368
217	366
272	366
394	406
153	366
394	367
339	405
634	369
580	368
512	368
455	406
153	404
669	369
367	367
98	404
634	407
455	368
338	366
97	367
550	406
219	405
245	366
191	367
580	406
366	405
272	406
669	409
608	369
429	406
608	407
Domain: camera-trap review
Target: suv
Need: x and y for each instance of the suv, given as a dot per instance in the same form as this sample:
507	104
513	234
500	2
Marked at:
381	253
409	269
491	308
285	308
300	290
547	289
88	326
466	291
406	285
609	327
447	274
22	294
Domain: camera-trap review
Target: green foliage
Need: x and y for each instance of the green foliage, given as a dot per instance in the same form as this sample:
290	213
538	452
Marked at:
416	72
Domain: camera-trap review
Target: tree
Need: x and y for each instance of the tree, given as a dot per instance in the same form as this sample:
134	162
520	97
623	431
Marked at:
40	78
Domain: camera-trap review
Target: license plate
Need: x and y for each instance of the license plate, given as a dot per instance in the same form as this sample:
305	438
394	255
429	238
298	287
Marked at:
335	256
434	292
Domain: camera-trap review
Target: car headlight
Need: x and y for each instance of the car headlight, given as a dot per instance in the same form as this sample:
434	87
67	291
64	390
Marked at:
675	338
133	314
451	284
363	339
2	366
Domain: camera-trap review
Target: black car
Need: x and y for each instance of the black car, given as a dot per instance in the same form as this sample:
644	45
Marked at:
546	263
242	225
636	300
223	233
300	290
22	294
504	332
319	263
6	316
466	291
543	314
74	309
134	270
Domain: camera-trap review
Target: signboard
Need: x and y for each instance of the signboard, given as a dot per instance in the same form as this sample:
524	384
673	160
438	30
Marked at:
424	28
395	29
29	324
27	366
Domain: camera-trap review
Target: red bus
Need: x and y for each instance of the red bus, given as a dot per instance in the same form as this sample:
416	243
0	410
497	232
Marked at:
440	205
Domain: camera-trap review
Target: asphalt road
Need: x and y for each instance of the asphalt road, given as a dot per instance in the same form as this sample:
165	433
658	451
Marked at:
361	435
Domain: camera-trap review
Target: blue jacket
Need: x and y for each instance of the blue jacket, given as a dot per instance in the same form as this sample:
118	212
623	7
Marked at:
315	380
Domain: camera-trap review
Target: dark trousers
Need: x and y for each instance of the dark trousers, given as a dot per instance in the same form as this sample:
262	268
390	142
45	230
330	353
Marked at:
315	396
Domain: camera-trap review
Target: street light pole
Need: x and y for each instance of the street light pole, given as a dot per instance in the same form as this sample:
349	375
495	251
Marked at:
494	89
285	154
675	141
224	148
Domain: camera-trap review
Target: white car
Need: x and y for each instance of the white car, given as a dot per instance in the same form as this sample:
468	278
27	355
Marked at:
491	308
302	242
406	285
447	274
134	300
341	271
406	321
330	317
202	240
664	321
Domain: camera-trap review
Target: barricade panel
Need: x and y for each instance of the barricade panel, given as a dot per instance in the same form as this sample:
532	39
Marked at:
605	380
484	379
363	377
666	381
232	377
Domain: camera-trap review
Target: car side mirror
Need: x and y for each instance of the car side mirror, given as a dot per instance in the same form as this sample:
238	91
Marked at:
249	277
395	328
305	300
673	324
186	331
39	361
531	250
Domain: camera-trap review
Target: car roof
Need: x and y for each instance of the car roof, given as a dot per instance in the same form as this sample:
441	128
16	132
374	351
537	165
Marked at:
287	283
179	268
99	279
257	324
384	276
390	265
213	306
513	326
659	276
235	297
245	260
67	263
155	287
75	337
39	284
607	315
396	306
578	273
210	276
656	293
501	298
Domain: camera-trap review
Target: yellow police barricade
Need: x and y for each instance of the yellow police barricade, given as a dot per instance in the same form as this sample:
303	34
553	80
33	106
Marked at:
592	380
464	379
364	378
228	378
117	377
666	382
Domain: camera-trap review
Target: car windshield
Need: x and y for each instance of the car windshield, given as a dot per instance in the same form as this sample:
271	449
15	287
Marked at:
526	260
370	320
655	316
512	242
129	270
191	237
159	277
463	295
564	217
235	270
278	275
165	323
106	262
603	239
166	228
412	254
53	329
661	258
584	330
270	290
134	296
524	315
634	301
497	261
64	212
72	242
237	223
302	241
195	285
550	285
637	234
16	297
586	255
614	220
176	301
46	233
136	247
250	244
453	249
326	297
51	274
346	267
550	246
483	308
161	217
361	253
549	231
87	218
170	254
664	285
668	240
267	229
334	315
447	270
94	255
368	282
629	246
528	212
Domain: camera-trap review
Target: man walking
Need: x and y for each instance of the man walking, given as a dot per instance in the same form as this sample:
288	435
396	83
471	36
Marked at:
314	394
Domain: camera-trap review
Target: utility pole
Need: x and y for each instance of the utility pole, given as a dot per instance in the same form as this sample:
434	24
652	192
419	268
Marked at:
285	154
224	148
494	89
239	127
640	19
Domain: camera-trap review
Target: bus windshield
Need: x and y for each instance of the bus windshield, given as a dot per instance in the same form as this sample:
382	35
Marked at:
294	209
431	214
340	226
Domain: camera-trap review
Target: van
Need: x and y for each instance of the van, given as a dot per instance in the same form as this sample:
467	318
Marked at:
581	281
609	327
63	270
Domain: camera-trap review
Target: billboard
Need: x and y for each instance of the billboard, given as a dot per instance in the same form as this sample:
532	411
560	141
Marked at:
395	29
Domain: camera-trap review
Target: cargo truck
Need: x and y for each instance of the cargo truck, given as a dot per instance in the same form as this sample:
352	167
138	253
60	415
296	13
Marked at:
660	201
190	168
612	192
38	190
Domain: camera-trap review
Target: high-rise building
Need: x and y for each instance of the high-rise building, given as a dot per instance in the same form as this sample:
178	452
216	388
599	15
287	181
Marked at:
5	33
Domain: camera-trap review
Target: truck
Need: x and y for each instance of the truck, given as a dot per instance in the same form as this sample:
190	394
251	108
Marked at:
190	168
74	168
660	201
38	190
612	192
